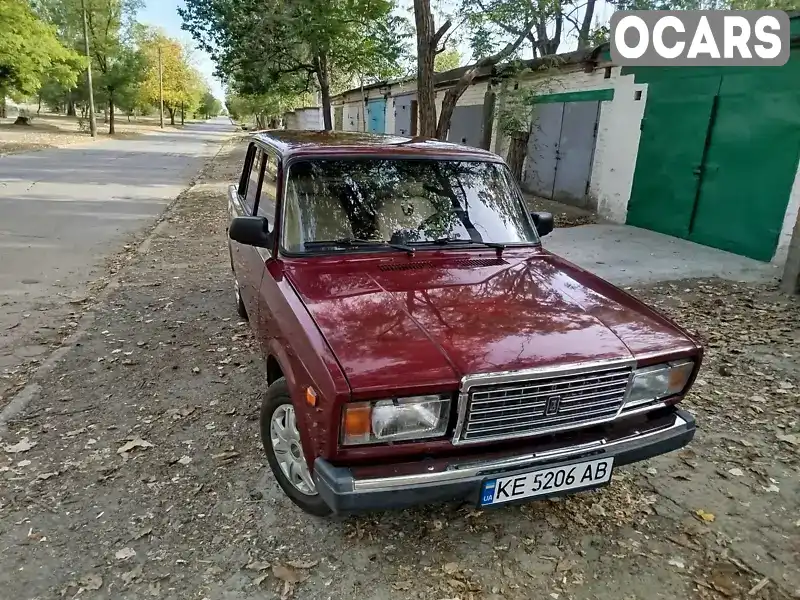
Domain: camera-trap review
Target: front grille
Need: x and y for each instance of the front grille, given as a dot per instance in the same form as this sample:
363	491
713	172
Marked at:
547	402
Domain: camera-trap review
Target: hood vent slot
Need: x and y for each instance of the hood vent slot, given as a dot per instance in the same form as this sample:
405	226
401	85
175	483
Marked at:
482	262
426	264
409	266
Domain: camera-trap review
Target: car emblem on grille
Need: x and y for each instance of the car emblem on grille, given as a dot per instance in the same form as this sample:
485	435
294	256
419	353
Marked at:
553	404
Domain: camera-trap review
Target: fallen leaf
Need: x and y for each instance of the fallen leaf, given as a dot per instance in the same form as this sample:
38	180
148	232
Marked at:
736	472
46	476
257	566
125	554
450	568
134	443
21	446
143	533
758	587
790	438
785	385
705	516
676	562
129	576
772	488
225	456
402	586
288	574
185	460
302	564
91	582
260	580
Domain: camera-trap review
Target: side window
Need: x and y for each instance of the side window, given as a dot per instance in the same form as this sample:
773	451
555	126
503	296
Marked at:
267	204
251	195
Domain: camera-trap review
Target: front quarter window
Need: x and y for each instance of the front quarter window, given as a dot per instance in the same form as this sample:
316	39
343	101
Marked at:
394	201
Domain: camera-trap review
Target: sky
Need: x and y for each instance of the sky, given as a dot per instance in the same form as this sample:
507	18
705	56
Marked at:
164	14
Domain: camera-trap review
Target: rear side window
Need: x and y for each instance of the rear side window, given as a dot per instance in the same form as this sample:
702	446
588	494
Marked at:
251	193
267	202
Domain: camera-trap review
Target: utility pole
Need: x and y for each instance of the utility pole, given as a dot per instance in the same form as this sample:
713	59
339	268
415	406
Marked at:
161	88
92	120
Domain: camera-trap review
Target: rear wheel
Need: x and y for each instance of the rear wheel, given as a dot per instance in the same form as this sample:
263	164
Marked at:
281	439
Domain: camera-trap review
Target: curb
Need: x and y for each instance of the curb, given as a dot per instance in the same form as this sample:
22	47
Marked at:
23	398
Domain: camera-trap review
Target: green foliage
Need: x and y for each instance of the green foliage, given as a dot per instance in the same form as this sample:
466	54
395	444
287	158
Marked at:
209	106
31	53
287	47
447	60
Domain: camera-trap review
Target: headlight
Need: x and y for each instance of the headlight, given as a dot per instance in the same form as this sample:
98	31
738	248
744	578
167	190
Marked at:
415	417
659	381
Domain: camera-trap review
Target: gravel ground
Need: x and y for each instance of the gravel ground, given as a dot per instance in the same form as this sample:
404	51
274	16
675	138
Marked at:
137	471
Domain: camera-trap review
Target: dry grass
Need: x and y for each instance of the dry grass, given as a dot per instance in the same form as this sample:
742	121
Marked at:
57	131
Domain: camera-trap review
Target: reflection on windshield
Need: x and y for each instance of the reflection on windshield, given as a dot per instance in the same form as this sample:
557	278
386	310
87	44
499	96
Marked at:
402	202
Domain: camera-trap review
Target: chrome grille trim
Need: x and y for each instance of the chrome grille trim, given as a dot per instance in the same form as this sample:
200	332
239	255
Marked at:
510	405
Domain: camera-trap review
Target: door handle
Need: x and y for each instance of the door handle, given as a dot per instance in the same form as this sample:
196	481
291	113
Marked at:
698	170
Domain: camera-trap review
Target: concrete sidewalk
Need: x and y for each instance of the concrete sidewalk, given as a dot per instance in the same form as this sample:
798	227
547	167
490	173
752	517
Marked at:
626	255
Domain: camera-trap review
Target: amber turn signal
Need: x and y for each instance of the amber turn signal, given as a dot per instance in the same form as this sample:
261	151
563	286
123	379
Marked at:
356	422
311	396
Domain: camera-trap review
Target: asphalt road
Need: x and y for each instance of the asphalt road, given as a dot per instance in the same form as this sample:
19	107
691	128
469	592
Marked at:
63	210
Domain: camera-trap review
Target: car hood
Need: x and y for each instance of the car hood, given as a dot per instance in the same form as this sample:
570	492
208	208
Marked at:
421	323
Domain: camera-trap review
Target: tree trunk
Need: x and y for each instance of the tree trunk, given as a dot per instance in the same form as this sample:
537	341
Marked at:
70	105
426	52
455	92
323	75
790	282
516	153
2	104
39	109
111	130
171	112
586	25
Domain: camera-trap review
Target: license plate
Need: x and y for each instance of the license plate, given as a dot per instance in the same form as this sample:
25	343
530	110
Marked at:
547	482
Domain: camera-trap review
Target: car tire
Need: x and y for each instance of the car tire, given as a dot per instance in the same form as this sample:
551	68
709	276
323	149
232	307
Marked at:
277	404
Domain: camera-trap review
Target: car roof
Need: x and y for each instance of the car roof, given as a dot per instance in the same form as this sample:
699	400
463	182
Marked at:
291	143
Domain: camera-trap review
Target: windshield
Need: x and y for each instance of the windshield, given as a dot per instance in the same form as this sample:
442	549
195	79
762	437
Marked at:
394	201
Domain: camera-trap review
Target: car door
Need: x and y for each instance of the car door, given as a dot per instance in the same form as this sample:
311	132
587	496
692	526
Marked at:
267	207
248	265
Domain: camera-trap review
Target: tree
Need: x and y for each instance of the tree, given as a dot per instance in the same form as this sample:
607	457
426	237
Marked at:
116	63
297	45
447	60
30	52
210	106
182	83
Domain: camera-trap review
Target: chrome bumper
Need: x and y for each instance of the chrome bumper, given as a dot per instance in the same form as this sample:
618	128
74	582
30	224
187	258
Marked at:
461	479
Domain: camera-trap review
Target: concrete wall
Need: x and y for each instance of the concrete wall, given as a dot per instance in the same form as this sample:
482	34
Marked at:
617	136
304	118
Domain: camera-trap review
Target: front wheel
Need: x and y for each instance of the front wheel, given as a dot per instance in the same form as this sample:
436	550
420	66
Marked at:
281	439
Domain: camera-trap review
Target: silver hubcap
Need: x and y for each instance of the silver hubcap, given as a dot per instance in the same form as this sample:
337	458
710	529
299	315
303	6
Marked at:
289	450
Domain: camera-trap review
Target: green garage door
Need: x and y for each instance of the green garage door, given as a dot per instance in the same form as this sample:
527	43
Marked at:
750	165
674	131
718	154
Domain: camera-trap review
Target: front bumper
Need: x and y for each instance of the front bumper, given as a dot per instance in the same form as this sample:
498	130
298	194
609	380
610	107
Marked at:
460	479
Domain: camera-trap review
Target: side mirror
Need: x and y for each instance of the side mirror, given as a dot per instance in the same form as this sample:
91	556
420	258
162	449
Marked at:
251	231
543	222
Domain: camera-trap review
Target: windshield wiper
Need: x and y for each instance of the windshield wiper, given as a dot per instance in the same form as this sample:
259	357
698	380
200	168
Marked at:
355	242
447	241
